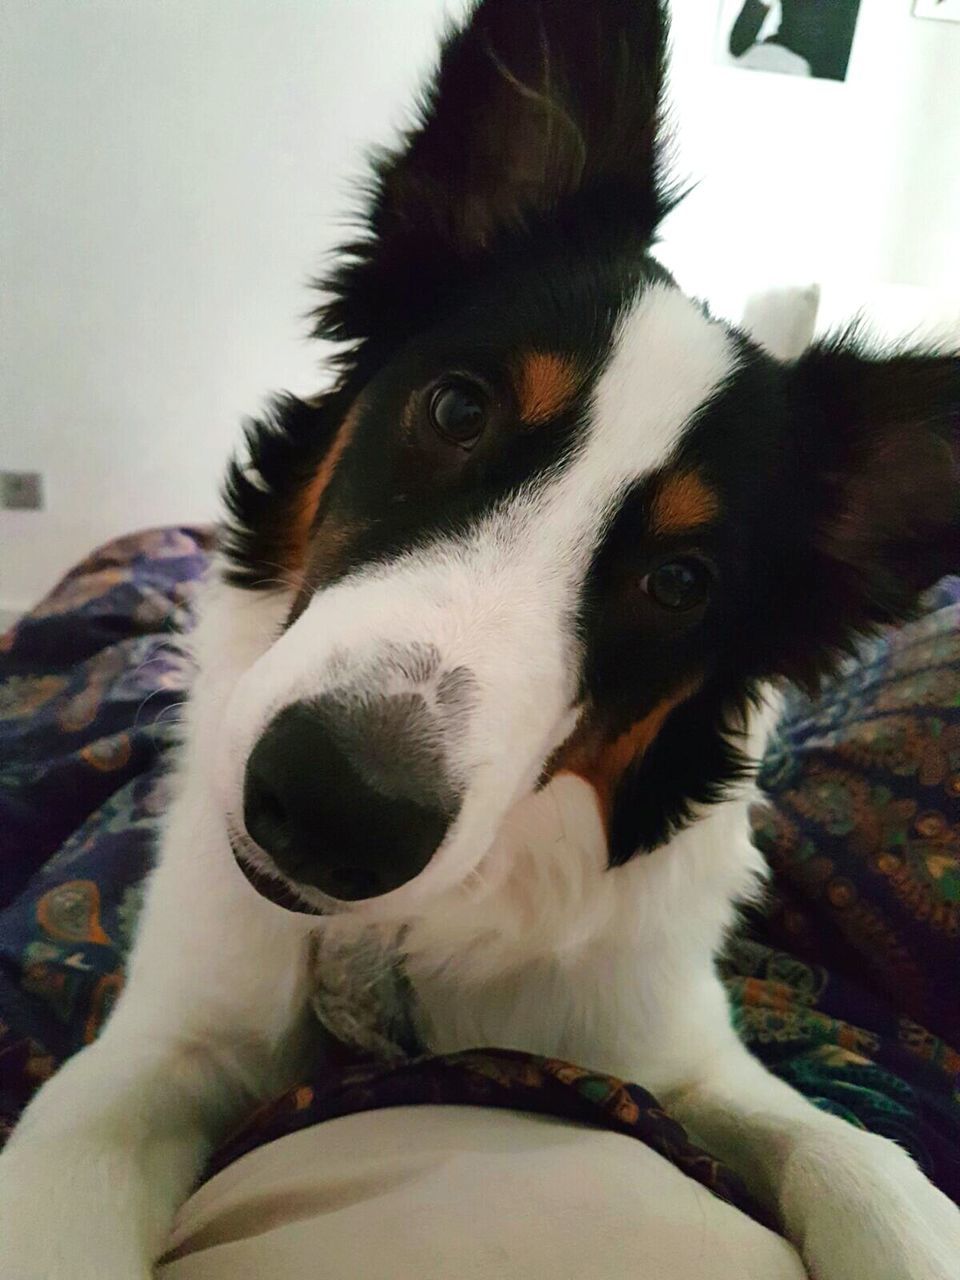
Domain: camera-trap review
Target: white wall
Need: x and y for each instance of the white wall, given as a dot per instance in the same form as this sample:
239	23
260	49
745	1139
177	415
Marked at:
172	172
174	169
854	184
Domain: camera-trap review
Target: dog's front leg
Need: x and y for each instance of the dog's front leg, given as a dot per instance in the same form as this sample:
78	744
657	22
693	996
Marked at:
210	1021
855	1204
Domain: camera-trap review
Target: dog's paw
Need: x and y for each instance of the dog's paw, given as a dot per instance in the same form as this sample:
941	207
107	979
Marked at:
62	1216
860	1209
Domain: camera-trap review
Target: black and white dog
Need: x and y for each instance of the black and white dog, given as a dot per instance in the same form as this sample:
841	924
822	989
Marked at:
486	659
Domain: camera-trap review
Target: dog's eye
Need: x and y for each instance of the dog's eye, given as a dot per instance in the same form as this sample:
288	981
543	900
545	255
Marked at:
679	584
458	410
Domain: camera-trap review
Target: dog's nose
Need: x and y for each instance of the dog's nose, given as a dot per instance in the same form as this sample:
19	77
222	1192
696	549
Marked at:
350	794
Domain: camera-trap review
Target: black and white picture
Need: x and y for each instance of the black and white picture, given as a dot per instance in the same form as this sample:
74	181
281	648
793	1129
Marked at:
792	37
945	10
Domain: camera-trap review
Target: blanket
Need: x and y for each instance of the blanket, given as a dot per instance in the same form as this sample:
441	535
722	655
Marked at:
846	985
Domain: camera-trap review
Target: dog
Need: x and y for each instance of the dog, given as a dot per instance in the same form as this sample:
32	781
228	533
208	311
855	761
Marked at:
491	645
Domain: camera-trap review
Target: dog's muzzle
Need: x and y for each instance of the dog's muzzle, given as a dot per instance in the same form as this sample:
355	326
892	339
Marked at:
349	793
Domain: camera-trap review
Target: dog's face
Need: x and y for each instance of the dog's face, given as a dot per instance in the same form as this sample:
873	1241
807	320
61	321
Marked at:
554	519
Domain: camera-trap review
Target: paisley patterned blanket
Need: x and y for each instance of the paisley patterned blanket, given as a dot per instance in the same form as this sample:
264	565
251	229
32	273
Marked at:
848	986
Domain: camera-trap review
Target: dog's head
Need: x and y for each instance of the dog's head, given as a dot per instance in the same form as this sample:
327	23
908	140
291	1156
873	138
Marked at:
553	519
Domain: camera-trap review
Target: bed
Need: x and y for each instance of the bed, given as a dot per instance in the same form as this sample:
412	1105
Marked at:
845	985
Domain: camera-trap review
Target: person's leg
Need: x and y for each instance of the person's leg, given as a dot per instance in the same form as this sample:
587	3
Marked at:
427	1193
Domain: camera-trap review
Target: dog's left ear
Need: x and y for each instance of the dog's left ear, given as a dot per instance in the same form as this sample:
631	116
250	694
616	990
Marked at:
537	107
878	444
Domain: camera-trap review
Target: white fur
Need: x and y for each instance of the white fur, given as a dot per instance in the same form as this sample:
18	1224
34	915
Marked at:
516	935
500	602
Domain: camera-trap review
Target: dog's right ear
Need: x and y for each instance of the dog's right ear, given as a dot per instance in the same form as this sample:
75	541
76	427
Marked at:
539	109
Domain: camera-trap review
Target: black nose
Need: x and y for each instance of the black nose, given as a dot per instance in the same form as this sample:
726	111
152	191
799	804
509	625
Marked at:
350	794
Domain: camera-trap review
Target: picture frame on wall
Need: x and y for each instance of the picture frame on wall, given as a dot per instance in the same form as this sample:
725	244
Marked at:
805	38
942	10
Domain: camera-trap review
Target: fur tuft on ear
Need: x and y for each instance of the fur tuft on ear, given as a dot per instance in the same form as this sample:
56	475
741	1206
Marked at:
890	470
264	486
879	451
540	110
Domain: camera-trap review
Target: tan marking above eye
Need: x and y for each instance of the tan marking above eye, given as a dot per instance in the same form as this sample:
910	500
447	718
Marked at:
683	501
546	383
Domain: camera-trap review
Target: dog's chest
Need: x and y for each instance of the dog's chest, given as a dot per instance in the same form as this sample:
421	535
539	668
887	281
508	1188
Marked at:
376	1004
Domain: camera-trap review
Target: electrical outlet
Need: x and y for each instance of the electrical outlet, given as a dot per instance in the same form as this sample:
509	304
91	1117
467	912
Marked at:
21	490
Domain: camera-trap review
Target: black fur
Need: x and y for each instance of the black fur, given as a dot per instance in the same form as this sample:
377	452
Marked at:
487	193
837	479
518	216
540	127
283	450
693	760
